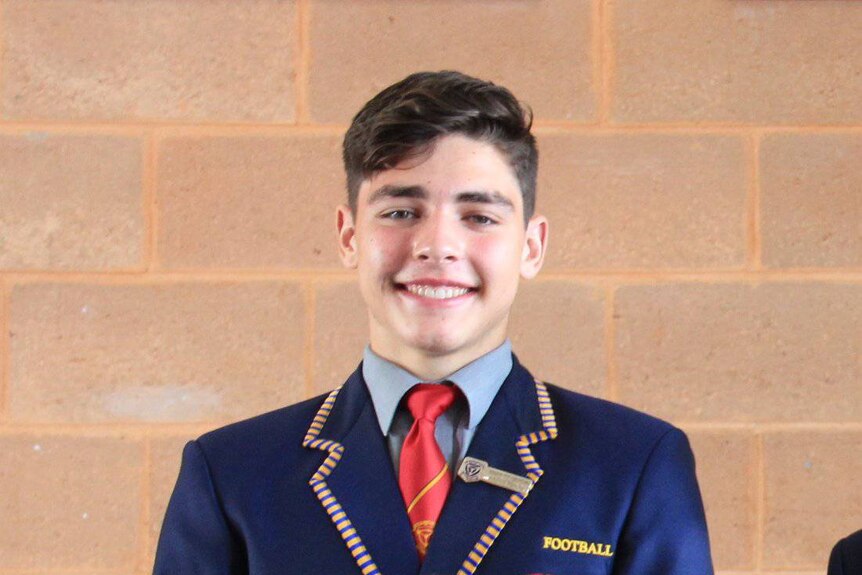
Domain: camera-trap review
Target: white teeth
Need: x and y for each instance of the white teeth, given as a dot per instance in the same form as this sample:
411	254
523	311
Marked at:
436	292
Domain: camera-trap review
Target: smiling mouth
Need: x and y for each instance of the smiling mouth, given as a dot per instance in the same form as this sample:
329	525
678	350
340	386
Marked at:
436	292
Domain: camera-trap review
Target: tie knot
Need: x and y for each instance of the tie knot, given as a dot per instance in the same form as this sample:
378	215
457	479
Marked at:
430	400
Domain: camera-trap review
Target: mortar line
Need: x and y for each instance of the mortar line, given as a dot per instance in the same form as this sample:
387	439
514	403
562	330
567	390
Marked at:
760	501
308	341
151	206
115	430
198	128
628	277
72	571
144	523
775	427
539	125
612	384
755	240
303	47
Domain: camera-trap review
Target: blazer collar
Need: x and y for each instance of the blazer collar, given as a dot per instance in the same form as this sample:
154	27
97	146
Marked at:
356	484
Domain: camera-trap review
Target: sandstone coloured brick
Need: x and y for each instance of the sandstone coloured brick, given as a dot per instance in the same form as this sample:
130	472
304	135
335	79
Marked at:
557	332
164	352
68	502
752	62
785	352
149	60
249	201
643	200
540	50
340	332
70	201
726	472
812	495
811	200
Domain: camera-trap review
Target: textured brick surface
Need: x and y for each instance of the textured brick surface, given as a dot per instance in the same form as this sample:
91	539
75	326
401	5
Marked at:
747	61
726	471
773	352
148	59
811	200
70	202
340	333
68	502
165	456
557	331
813	495
154	352
643	200
249	201
539	50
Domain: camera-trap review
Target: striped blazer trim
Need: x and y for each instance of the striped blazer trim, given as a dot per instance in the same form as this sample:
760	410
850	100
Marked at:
534	471
318	483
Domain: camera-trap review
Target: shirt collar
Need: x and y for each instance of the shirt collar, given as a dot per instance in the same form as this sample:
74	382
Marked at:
479	380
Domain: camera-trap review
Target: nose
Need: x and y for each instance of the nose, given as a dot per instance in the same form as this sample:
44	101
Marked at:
437	240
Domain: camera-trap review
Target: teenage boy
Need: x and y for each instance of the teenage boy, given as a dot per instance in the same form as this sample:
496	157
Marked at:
440	454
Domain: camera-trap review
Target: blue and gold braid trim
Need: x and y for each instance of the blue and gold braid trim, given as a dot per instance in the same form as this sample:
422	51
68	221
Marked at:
327	499
534	471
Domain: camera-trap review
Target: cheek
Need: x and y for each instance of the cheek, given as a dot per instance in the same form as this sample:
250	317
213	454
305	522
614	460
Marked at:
384	251
495	255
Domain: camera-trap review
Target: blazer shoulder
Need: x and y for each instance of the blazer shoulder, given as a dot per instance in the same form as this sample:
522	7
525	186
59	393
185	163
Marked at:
846	555
606	420
281	430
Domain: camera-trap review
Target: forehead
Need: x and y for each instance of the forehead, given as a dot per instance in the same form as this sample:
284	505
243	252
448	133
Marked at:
453	166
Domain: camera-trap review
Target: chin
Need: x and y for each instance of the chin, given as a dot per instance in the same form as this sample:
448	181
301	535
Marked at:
437	344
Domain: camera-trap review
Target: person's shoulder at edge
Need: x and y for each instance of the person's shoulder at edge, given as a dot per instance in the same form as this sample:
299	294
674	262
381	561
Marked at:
847	554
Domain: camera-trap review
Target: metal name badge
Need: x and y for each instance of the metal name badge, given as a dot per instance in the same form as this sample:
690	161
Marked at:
473	470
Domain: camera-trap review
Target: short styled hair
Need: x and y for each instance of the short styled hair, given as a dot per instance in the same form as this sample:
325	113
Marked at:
405	119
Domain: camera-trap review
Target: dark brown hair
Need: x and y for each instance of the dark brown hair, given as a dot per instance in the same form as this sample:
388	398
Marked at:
405	119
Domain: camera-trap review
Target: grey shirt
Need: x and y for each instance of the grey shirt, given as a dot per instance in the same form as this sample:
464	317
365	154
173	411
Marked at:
479	380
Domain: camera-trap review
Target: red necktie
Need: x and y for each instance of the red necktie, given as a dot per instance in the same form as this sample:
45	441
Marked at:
423	472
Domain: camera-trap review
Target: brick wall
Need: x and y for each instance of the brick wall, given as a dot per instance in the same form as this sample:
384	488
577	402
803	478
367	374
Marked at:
167	250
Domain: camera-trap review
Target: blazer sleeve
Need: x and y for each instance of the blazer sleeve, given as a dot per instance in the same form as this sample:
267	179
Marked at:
665	530
196	538
835	567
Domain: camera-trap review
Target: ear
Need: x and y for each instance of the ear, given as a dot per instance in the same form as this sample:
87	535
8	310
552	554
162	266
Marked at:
346	236
535	246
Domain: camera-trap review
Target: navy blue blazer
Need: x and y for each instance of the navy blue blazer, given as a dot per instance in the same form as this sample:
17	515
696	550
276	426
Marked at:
846	556
310	489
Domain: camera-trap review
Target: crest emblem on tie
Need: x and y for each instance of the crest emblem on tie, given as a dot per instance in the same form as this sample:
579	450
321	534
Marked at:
422	531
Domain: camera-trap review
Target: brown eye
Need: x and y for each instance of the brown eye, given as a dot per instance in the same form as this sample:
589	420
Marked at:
481	220
398	215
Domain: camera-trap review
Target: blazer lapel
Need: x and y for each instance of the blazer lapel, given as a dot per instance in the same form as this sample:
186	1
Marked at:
356	485
476	513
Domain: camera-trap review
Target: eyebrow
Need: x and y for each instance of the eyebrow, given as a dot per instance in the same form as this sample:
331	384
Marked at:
389	191
478	197
420	193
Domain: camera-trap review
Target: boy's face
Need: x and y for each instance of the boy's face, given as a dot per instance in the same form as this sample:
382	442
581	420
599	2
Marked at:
440	244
